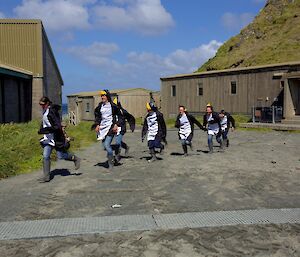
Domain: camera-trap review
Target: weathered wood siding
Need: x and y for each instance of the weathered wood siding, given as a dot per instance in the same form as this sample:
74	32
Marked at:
254	88
134	101
87	110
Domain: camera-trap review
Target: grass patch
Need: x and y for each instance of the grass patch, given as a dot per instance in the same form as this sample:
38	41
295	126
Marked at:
240	118
20	148
82	134
170	123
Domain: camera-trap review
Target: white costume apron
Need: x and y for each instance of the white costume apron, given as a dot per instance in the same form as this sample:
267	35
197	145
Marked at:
106	121
213	129
152	126
185	127
224	123
48	139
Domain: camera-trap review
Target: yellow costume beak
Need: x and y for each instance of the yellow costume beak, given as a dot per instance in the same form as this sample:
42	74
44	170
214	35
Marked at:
148	107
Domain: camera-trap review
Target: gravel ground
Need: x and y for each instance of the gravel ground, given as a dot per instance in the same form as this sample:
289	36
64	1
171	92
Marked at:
259	170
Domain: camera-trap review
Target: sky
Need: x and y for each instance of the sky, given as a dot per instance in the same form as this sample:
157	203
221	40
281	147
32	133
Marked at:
102	44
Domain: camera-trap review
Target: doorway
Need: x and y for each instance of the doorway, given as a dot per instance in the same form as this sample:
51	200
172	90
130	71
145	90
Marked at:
294	85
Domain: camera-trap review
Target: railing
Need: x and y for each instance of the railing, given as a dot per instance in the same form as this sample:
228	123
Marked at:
271	114
72	118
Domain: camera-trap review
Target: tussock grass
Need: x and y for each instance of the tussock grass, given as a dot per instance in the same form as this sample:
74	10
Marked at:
20	150
241	118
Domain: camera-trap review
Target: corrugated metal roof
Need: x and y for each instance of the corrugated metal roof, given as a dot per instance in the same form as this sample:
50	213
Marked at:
196	74
113	91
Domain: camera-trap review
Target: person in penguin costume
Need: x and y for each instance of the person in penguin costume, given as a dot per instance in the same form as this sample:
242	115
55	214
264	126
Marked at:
155	128
185	123
53	138
211	121
108	119
227	121
126	116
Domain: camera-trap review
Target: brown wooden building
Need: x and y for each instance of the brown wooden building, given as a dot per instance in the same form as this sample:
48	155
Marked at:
81	105
235	90
28	70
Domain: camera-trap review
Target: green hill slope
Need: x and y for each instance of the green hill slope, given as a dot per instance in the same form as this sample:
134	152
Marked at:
272	37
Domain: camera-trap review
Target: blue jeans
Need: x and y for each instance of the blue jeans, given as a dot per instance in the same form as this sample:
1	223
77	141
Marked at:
107	145
224	134
210	139
119	140
47	150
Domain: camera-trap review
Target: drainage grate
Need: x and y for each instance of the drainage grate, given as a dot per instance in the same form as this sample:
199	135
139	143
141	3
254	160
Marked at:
99	225
226	218
74	226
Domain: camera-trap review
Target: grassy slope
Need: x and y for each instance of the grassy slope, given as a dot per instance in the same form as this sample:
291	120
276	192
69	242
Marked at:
273	37
20	148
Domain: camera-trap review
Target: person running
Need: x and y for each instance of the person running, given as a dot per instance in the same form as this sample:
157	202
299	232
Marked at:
53	138
211	120
126	116
155	128
185	123
107	120
227	121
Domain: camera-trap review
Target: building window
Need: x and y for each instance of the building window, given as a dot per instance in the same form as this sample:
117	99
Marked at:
200	89
87	107
173	90
233	88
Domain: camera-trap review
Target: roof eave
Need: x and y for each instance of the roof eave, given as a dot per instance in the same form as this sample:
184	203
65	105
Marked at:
229	70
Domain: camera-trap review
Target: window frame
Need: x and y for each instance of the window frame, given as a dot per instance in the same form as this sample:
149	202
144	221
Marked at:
233	82
173	91
88	107
200	85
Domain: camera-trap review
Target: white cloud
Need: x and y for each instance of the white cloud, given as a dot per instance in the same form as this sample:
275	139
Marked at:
97	54
148	17
234	21
57	15
2	16
142	69
189	60
96	49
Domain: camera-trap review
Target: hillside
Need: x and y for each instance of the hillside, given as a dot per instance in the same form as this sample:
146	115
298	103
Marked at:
272	37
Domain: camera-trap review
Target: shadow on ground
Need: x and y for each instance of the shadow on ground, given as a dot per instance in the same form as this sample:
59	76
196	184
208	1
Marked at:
63	173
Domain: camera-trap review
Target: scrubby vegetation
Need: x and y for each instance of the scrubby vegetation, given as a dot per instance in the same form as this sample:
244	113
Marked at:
20	148
272	37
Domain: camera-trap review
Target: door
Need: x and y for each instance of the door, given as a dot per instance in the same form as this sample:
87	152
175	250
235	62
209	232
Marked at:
295	94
